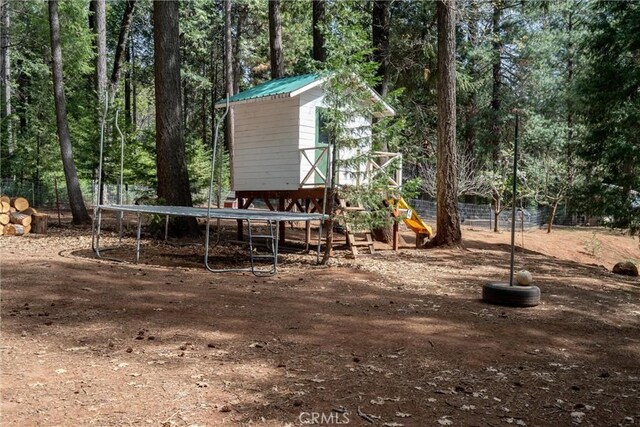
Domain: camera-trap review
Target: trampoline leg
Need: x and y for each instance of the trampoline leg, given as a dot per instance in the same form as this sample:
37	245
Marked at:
120	220
98	226
138	238
166	228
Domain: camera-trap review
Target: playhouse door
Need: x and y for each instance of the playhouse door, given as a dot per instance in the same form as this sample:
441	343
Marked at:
322	148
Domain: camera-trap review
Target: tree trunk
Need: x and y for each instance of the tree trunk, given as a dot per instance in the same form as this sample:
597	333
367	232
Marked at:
134	88
76	202
127	88
552	214
330	205
98	23
173	178
39	224
380	40
241	17
496	95
275	40
5	75
470	109
203	108
497	208
448	221
24	90
319	51
184	85
98	9
228	77
121	47
213	66
570	110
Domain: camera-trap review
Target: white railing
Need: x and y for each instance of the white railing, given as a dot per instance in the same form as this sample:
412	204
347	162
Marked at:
315	171
387	165
379	164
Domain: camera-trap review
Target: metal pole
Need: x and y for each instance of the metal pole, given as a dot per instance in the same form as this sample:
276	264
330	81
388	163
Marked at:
138	238
327	182
103	121
513	210
96	209
207	235
120	183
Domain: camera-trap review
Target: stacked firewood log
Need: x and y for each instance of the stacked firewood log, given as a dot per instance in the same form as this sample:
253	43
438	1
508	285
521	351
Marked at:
18	219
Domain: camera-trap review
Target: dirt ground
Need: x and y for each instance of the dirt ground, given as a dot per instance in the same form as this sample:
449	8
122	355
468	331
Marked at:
390	339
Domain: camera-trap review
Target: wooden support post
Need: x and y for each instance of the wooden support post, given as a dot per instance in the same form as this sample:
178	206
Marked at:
395	214
395	236
240	235
307	224
282	223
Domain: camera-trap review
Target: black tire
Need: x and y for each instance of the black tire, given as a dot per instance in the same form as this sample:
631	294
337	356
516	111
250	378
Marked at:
513	296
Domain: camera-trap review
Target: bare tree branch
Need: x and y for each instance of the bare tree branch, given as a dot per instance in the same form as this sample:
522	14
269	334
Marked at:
470	182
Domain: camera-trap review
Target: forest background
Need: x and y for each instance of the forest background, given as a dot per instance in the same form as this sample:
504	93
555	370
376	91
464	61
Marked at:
570	70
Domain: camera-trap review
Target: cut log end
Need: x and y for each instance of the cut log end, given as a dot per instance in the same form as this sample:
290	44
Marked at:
20	203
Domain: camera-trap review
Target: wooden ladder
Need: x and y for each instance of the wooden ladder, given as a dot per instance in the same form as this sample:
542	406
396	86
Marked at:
355	238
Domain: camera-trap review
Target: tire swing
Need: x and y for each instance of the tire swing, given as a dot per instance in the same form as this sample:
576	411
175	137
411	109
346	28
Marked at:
509	294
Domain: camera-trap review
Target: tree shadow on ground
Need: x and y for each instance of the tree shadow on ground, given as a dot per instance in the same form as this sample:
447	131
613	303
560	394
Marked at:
315	339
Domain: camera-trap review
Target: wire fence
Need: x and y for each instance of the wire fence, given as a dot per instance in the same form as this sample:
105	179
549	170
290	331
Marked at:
53	193
482	216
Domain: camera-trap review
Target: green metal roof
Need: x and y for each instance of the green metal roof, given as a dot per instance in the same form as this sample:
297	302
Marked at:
273	88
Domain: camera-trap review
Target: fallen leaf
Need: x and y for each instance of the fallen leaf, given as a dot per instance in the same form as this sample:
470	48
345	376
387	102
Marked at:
445	421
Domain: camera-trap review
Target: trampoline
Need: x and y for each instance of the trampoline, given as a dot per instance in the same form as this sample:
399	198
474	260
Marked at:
253	217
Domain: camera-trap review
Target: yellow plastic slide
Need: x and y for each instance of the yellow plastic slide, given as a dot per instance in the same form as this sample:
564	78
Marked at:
412	219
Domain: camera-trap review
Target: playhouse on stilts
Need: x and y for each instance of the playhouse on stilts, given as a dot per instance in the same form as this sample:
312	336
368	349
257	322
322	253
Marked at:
281	154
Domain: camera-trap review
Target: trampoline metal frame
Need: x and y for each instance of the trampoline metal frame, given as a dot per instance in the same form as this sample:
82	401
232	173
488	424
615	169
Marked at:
271	218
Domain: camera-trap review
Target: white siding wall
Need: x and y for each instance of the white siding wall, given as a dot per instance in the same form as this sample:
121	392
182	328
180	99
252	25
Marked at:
269	135
266	153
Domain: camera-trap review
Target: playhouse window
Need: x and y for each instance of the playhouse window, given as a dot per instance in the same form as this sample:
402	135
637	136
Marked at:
322	141
322	135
